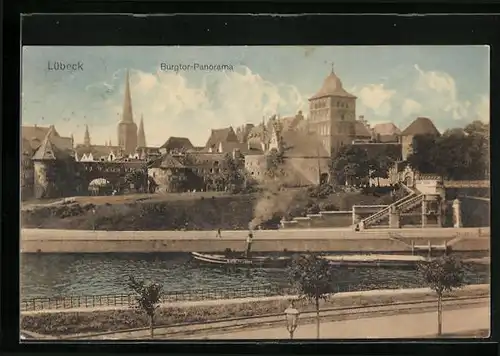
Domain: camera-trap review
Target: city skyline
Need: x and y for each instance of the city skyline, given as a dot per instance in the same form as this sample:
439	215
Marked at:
399	84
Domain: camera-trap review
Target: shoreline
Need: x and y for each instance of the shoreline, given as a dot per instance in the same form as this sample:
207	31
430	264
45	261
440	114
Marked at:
292	240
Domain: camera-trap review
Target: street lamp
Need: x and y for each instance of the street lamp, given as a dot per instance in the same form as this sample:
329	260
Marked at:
292	319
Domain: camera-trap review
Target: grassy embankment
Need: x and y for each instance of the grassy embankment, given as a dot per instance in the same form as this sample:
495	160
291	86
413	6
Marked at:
66	323
191	211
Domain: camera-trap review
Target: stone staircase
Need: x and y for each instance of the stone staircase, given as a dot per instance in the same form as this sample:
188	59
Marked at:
401	206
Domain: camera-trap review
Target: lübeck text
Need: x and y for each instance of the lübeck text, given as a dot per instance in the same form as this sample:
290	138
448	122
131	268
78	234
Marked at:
63	66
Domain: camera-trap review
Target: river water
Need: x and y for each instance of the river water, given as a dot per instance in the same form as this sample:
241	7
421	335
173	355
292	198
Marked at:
49	275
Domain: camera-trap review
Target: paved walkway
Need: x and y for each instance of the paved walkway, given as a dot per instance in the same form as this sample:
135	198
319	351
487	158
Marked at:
396	326
414	292
315	233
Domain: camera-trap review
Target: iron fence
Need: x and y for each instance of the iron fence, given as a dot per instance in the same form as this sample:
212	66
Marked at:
116	300
265	290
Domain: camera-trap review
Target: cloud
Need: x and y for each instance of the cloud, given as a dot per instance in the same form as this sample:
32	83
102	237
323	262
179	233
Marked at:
173	105
413	92
376	98
482	109
191	103
410	107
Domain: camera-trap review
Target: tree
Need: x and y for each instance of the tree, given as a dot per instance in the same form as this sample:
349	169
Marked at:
274	162
442	275
351	164
138	178
424	153
459	154
479	128
314	279
380	164
233	174
148	298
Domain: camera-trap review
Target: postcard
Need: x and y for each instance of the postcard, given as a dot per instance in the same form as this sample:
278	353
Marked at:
255	192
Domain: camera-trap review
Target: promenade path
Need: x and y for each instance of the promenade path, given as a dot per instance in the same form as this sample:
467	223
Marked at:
415	325
323	233
413	293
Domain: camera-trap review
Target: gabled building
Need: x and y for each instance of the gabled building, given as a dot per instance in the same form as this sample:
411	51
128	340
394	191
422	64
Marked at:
386	132
53	165
421	126
168	174
176	144
54	147
220	135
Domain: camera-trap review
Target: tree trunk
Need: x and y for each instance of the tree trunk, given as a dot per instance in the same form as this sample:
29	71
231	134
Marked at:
317	319
151	326
440	315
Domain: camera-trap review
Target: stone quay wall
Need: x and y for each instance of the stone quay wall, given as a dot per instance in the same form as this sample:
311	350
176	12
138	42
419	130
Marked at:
300	240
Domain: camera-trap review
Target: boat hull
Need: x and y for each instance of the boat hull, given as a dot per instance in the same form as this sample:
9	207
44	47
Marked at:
221	260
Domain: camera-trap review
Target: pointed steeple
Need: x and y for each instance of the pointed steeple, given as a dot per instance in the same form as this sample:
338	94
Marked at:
86	138
141	136
127	102
46	149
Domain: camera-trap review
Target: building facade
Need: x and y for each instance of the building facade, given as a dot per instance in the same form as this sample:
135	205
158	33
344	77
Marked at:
332	114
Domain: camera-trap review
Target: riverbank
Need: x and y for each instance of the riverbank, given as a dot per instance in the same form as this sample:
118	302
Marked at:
299	240
97	320
200	211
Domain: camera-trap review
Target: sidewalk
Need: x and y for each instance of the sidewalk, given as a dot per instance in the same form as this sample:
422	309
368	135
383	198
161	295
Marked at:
200	330
371	293
395	326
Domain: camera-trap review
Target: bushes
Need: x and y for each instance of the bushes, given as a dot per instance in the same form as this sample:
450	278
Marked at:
320	191
325	206
225	212
196	213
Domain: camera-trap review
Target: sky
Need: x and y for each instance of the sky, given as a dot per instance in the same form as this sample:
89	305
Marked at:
448	84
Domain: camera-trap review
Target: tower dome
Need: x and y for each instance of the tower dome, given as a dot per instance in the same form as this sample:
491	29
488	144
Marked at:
332	86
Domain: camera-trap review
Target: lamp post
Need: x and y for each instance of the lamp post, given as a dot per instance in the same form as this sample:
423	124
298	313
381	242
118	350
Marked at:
93	219
292	319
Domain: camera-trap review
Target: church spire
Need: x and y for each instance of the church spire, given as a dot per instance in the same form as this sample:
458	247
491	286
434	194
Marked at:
86	138
141	136
127	102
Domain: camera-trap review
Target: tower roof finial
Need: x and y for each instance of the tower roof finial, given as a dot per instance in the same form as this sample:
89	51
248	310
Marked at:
86	138
333	67
127	115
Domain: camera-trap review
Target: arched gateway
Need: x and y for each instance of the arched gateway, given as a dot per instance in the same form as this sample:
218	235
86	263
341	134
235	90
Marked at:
112	172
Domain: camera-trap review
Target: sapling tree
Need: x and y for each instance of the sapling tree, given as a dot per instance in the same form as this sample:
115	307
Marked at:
442	275
314	279
148	298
